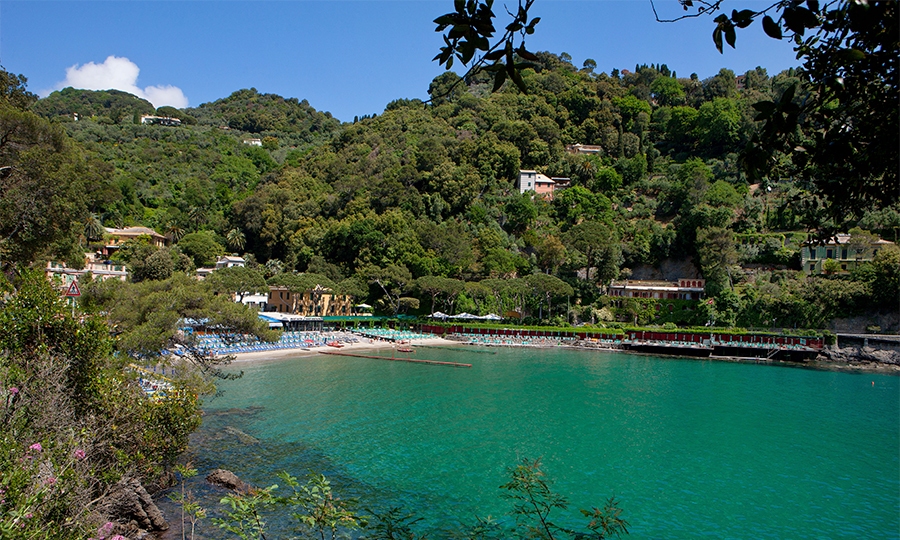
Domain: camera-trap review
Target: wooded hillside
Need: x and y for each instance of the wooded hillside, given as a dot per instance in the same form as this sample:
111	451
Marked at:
427	190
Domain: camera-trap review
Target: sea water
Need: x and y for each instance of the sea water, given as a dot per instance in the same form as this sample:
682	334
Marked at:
690	448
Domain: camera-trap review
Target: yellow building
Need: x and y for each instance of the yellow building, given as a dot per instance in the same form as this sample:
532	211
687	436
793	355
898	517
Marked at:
845	253
318	302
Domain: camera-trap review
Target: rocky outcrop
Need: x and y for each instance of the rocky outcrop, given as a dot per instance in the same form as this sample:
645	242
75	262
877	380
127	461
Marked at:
856	355
228	480
132	511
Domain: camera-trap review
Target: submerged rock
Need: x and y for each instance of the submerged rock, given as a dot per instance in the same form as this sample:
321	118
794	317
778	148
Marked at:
243	437
228	480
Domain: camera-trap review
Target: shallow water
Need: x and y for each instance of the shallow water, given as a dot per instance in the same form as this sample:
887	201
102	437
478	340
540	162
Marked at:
690	448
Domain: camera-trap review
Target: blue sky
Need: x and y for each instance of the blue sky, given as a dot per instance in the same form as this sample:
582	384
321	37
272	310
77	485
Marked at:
343	56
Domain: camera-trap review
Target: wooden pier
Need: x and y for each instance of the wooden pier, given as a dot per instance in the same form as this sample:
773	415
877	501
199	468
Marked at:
395	359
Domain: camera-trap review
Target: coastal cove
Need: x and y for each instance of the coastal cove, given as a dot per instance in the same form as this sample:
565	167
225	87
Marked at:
689	447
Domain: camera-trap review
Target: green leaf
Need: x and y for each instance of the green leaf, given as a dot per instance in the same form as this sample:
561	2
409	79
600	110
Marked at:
851	55
445	20
517	78
771	28
730	35
764	106
793	20
495	55
788	95
717	39
522	52
499	79
743	18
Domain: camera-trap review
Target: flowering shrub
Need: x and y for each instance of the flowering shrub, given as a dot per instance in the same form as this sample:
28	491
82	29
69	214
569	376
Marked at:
72	420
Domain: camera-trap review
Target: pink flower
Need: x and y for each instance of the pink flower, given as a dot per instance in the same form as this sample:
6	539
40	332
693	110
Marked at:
36	447
79	454
29	515
13	390
118	537
105	529
51	481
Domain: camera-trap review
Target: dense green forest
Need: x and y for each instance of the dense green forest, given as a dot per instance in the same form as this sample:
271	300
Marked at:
425	191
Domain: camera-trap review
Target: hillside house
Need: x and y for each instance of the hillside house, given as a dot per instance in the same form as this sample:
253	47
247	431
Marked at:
230	262
114	238
160	120
100	271
540	184
683	289
253	142
846	253
588	149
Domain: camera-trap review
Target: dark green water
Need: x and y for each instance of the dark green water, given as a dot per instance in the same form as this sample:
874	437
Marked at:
690	448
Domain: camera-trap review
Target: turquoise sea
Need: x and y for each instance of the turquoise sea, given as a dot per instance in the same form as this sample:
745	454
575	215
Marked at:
690	448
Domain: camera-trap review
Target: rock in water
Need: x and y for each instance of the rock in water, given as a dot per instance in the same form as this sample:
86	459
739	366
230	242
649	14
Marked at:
228	480
243	437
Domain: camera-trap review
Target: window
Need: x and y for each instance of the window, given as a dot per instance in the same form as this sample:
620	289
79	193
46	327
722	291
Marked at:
829	253
844	253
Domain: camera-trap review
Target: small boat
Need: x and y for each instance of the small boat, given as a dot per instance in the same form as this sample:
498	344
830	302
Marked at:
406	349
335	344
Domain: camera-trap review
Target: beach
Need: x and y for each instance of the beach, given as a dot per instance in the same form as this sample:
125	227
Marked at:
361	345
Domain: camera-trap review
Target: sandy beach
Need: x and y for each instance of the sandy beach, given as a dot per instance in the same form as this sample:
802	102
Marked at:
363	344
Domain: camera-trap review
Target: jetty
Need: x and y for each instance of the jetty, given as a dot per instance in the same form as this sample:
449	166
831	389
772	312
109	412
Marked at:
398	359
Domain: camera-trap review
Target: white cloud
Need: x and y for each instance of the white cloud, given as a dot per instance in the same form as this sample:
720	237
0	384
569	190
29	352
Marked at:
119	73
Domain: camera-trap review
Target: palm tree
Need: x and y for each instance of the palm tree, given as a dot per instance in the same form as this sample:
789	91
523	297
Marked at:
93	228
174	232
235	239
197	216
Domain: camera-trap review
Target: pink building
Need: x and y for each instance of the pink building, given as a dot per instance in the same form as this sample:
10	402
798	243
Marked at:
539	183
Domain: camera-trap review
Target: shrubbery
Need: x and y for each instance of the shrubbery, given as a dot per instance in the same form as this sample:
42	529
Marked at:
73	420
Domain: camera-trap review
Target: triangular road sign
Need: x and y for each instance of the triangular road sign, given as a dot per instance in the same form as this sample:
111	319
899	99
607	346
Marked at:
73	290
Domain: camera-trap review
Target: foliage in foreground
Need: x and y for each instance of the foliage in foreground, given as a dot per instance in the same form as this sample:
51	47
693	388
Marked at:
73	419
318	512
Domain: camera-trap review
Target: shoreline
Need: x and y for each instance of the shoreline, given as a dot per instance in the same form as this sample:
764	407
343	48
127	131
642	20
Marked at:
363	345
823	363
